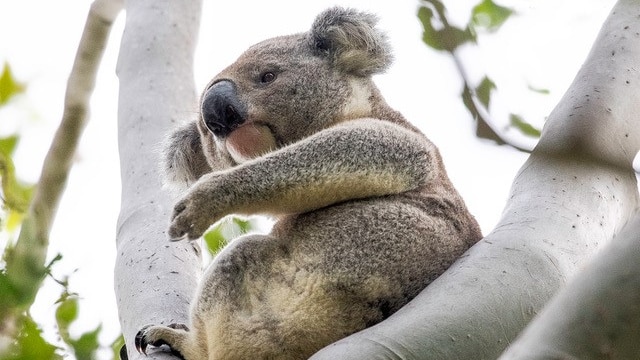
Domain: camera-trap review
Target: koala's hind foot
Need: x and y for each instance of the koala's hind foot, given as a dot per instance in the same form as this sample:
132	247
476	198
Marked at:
175	336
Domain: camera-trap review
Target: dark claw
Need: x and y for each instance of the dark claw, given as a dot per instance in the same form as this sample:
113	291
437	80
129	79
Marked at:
141	341
176	237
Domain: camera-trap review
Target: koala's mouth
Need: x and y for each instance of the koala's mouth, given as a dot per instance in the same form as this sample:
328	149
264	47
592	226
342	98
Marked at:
250	140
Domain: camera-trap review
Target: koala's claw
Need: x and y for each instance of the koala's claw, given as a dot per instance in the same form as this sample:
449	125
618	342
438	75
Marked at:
145	337
176	234
141	341
179	229
186	222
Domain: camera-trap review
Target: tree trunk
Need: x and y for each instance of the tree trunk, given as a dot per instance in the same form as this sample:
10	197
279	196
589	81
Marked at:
154	279
572	196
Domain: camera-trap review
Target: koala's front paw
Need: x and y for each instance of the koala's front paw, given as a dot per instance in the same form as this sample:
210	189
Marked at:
161	335
192	216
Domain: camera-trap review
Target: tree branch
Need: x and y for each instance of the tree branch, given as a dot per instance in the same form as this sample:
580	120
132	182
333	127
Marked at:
155	279
597	315
25	262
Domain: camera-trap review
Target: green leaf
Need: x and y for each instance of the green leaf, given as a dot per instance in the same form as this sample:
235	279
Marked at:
12	220
539	90
447	38
31	345
524	127
67	311
9	87
483	91
243	225
226	231
483	129
87	345
214	239
8	295
8	144
117	347
489	15
15	194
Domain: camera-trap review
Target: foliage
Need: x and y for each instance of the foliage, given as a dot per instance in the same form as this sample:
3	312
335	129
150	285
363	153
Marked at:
9	86
117	348
85	346
29	342
439	34
15	198
31	345
225	231
524	127
15	194
490	16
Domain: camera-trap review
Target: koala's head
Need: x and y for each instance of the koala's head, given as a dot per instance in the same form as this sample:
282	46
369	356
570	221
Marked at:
287	88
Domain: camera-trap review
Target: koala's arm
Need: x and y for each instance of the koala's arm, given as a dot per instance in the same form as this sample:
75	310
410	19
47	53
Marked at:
356	159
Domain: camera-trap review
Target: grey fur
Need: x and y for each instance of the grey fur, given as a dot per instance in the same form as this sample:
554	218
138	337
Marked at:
367	216
185	163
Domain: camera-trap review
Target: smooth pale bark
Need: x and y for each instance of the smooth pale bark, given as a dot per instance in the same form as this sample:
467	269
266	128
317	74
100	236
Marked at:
597	315
25	261
154	279
571	197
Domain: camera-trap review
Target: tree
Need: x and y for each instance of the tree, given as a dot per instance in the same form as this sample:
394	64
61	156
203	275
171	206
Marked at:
154	279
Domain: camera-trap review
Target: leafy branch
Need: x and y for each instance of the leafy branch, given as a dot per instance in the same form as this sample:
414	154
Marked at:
440	35
25	260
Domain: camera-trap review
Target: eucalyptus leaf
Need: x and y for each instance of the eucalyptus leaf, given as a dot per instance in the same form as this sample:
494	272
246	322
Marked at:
215	239
539	90
8	144
483	91
67	312
243	225
31	345
225	231
490	16
446	38
15	194
87	345
9	86
519	123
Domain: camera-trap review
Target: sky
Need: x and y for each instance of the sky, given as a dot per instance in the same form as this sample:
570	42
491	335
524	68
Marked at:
542	47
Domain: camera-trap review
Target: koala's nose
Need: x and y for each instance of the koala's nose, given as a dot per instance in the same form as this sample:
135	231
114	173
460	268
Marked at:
222	110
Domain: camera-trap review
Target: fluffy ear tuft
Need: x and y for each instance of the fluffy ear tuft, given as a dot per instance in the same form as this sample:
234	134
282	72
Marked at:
183	159
351	41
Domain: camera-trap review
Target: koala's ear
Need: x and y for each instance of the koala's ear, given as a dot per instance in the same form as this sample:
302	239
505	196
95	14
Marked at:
351	41
184	161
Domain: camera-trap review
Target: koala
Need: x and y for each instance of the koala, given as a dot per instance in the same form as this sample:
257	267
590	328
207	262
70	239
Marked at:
365	215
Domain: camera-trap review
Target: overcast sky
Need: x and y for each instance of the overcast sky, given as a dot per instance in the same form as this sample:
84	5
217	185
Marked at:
542	47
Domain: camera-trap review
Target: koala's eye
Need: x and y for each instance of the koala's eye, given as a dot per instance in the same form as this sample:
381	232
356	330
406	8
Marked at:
267	77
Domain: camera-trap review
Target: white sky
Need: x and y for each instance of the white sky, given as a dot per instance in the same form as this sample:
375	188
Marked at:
543	47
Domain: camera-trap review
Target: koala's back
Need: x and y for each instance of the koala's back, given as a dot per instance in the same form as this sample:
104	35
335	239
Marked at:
396	244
